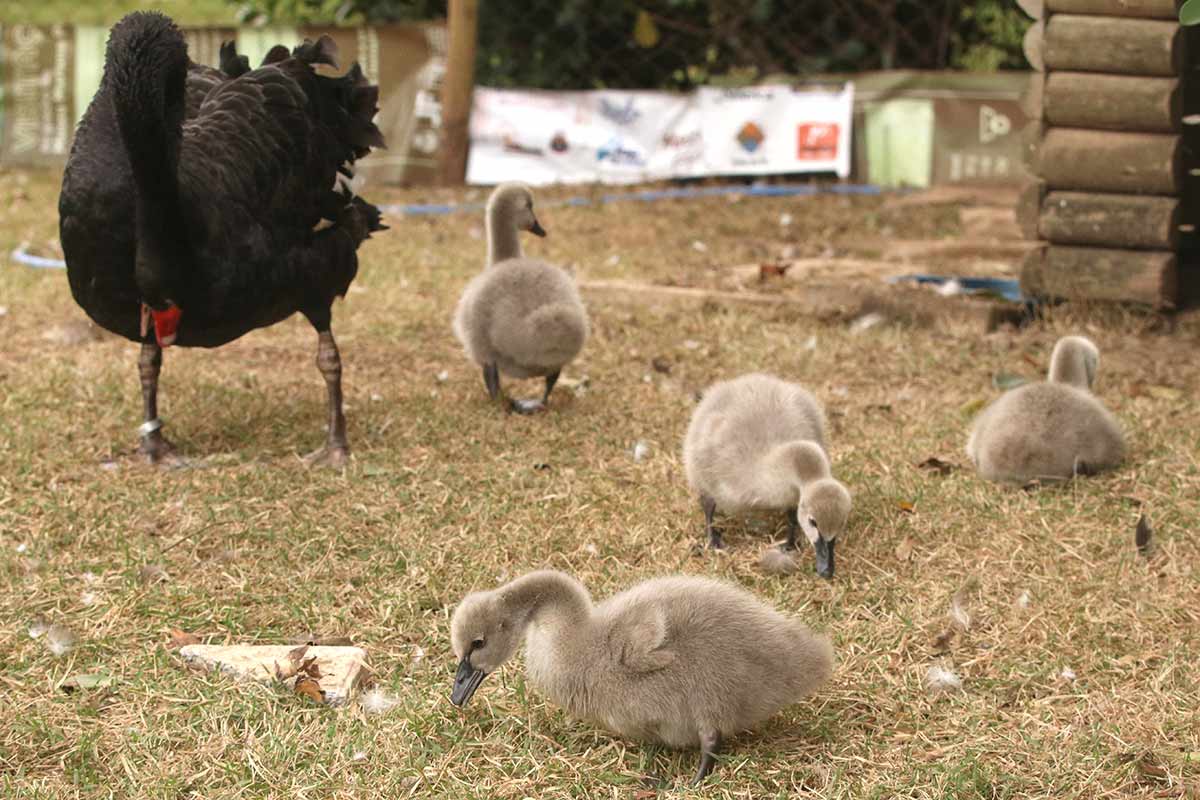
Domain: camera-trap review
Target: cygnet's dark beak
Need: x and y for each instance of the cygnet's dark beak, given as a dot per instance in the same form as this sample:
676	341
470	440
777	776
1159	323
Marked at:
536	229
466	681
824	551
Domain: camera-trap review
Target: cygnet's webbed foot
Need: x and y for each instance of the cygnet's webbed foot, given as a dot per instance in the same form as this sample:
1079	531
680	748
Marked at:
710	743
535	406
526	407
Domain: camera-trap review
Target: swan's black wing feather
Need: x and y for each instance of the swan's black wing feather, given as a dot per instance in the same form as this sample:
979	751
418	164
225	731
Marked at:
257	172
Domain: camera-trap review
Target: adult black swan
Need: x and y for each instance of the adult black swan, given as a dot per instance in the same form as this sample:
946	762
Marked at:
200	204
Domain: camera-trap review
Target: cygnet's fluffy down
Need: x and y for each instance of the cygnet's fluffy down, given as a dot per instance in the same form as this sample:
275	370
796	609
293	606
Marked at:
757	443
681	660
1049	431
521	316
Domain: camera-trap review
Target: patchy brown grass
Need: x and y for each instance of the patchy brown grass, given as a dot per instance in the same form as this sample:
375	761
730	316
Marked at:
444	496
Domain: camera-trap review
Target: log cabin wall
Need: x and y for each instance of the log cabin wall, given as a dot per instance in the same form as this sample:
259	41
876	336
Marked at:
1111	151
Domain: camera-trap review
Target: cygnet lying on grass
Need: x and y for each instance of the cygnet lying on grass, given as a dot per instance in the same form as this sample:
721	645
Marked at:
1049	431
685	661
757	443
520	316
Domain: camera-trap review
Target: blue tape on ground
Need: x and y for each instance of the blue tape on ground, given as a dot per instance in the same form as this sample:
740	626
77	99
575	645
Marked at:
1008	288
654	195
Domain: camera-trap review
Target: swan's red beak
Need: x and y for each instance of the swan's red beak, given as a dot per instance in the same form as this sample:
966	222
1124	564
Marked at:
166	323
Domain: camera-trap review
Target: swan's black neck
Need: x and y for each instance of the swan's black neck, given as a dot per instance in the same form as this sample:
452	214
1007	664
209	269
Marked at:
145	74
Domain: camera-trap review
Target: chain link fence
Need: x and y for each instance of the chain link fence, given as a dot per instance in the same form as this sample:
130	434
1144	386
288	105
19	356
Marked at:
679	44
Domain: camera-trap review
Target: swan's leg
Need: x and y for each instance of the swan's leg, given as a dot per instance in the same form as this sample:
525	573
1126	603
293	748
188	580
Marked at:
710	743
491	379
336	451
710	509
154	445
793	525
535	406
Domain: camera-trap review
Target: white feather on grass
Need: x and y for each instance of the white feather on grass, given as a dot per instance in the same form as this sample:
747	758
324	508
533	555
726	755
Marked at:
377	701
940	679
60	639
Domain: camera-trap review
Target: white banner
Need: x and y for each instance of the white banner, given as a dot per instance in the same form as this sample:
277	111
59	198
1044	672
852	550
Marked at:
772	129
630	137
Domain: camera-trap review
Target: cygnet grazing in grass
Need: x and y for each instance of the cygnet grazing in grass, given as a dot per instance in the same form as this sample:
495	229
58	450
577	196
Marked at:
520	316
758	443
1049	431
685	661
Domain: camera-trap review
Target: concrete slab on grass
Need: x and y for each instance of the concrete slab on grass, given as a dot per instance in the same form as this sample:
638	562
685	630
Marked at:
341	667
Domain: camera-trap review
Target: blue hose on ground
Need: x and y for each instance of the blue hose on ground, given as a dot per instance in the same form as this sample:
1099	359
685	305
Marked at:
37	262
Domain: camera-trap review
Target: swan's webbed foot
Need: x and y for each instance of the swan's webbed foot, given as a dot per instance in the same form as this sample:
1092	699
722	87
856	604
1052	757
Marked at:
155	447
331	455
710	743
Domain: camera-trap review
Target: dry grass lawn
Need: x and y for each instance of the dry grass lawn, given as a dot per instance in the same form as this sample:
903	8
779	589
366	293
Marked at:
1078	665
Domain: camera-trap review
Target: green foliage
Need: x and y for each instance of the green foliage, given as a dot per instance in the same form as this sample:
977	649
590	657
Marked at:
1189	14
341	12
990	37
586	44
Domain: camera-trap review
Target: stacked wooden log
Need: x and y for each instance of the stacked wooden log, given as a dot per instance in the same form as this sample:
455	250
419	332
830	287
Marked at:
1107	151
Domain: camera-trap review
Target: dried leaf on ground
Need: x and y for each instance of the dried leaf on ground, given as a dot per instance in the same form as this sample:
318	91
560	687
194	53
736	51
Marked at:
772	270
1004	381
942	640
180	638
152	573
1164	392
959	602
309	668
935	464
86	681
310	688
1143	535
906	507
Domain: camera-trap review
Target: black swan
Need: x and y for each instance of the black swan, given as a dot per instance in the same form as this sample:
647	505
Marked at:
199	204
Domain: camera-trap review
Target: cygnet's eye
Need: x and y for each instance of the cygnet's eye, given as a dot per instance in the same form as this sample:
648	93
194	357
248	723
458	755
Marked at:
477	644
812	521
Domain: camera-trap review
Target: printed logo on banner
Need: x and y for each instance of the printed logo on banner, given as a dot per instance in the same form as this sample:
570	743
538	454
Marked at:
676	141
559	143
511	145
750	136
620	114
615	152
817	141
